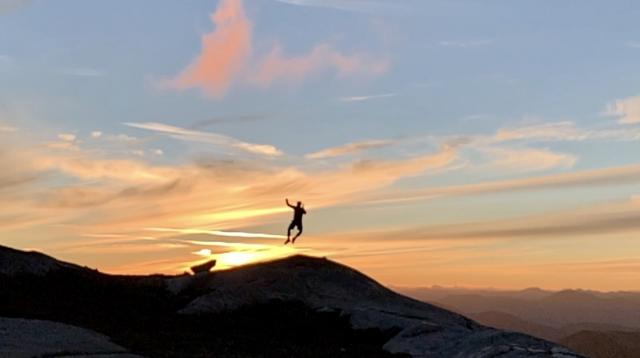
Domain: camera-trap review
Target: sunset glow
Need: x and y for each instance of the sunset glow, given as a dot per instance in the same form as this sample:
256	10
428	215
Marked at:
503	152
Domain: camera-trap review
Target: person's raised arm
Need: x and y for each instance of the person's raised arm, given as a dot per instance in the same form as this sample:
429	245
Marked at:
289	205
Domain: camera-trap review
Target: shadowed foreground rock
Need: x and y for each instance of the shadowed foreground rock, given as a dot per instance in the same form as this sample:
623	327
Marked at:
34	338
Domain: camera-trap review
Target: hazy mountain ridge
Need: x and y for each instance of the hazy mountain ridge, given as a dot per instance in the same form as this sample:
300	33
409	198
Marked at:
609	344
575	318
299	306
556	309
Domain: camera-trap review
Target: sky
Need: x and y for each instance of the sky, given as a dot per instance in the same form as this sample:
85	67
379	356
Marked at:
432	142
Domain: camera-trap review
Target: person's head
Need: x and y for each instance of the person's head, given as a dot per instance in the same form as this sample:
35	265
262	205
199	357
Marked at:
299	204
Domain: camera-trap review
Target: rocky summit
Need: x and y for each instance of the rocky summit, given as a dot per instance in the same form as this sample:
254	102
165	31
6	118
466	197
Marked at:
293	307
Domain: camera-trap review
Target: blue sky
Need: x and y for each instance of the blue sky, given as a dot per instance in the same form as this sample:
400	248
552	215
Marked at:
489	113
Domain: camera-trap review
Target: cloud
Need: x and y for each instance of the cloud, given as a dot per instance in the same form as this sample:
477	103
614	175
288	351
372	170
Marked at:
96	134
627	110
67	137
227	57
95	193
559	131
224	51
220	233
349	148
82	166
528	159
4	128
366	98
122	138
66	141
466	44
622	175
394	169
207	137
593	221
276	66
15	171
565	131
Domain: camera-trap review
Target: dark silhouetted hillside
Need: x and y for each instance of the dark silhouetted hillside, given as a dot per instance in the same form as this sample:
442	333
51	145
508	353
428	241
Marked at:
294	307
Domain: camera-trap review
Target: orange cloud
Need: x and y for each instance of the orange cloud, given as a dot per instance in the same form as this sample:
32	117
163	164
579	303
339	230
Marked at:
224	51
227	52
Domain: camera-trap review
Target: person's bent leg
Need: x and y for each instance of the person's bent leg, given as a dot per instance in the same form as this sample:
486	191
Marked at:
298	234
291	226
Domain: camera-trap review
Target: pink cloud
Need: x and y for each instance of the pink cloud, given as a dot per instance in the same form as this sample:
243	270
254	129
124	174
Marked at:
227	53
224	51
276	66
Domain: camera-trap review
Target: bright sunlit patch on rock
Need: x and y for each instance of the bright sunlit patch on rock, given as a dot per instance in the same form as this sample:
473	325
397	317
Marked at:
237	258
243	254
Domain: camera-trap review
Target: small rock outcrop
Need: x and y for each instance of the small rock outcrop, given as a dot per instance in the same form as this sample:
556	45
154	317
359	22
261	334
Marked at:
203	268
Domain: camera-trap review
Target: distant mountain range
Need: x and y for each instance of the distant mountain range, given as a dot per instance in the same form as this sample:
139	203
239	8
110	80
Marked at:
597	324
295	307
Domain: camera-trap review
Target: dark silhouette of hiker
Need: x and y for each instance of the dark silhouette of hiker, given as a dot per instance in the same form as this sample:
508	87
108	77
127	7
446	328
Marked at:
298	211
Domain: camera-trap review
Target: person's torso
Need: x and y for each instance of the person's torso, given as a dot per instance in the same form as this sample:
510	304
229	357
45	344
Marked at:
297	214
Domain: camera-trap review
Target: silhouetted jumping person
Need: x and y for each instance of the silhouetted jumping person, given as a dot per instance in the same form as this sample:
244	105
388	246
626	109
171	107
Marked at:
298	211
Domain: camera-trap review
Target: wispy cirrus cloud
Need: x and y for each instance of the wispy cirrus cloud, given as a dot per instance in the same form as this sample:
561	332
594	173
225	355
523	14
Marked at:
227	57
527	159
349	148
559	131
623	175
207	137
565	131
124	197
627	110
621	216
66	141
367	97
239	234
